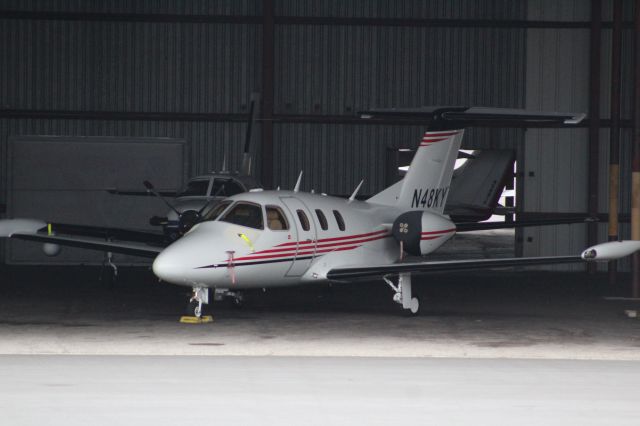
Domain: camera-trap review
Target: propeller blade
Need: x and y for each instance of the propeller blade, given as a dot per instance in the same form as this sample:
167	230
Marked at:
152	190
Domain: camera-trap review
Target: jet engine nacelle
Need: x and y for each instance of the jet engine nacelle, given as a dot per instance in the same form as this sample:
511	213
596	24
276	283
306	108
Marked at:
421	232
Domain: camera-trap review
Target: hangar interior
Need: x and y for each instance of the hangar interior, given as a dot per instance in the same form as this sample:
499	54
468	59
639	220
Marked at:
157	69
97	95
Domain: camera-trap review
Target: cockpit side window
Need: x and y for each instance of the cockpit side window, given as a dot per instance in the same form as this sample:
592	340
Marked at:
215	212
195	188
276	219
245	214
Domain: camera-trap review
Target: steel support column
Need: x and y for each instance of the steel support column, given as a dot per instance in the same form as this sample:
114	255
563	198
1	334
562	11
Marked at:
268	25
635	164
614	140
594	124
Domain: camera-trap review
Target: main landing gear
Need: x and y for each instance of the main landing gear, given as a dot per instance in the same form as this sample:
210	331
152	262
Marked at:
237	298
403	293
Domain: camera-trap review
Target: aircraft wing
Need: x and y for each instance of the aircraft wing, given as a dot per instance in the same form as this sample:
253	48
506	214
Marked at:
87	237
445	266
151	237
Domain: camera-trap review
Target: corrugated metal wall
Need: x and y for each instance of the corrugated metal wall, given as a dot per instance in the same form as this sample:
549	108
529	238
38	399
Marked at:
414	9
555	170
194	7
340	69
179	66
128	66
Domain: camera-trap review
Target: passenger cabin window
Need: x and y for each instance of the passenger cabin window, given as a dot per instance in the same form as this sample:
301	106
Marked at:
339	220
245	214
225	188
215	212
276	220
322	219
195	188
304	221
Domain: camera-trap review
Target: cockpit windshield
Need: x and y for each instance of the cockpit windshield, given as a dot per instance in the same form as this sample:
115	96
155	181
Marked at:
195	188
245	214
215	212
225	188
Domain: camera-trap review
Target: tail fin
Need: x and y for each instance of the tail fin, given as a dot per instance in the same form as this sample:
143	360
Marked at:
426	184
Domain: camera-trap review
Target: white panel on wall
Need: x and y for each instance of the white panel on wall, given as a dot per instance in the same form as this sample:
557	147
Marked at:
555	169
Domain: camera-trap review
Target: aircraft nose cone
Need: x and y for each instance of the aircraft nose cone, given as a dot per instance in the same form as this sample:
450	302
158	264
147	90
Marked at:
168	267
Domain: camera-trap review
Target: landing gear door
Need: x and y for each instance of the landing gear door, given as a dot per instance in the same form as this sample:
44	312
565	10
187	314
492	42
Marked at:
303	232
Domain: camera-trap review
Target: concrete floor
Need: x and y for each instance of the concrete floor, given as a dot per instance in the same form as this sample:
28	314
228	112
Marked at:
147	390
488	315
341	354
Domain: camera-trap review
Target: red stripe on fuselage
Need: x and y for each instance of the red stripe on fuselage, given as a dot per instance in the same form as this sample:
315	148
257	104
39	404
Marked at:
308	244
444	231
300	248
450	133
296	254
432	235
324	240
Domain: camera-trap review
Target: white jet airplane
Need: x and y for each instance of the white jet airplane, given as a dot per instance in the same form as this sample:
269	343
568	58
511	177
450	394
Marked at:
263	239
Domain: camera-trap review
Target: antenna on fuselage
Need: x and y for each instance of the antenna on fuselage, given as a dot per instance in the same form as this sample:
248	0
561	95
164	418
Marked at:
355	192
297	187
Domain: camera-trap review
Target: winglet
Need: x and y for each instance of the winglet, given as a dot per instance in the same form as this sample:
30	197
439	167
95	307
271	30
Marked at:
297	187
355	192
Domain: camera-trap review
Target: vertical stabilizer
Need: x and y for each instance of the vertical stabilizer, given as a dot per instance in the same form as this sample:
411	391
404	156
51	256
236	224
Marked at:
426	184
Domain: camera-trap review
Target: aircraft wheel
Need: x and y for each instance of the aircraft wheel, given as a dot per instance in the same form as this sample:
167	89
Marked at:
414	308
193	309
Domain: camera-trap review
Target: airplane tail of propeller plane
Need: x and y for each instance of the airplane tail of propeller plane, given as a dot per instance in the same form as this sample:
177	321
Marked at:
426	184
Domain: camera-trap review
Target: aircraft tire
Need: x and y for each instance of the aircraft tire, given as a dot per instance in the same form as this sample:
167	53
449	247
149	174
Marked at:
192	307
414	309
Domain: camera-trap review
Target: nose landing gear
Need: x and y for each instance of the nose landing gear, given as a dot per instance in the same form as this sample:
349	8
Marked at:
200	297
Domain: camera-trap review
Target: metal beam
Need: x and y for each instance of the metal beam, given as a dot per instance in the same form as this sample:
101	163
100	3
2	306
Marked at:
614	139
594	124
276	118
635	164
268	60
295	20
